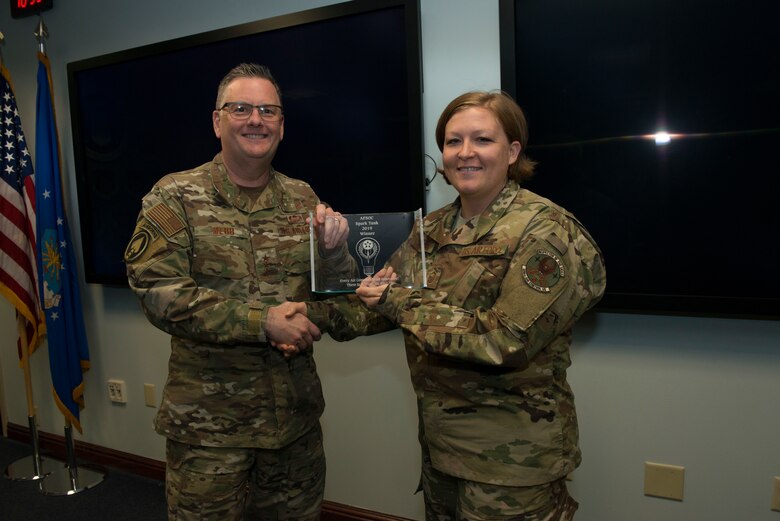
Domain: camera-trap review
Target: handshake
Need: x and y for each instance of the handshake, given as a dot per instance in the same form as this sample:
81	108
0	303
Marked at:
289	329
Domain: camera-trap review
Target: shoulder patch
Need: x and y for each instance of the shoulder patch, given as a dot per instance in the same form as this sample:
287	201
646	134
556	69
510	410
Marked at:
164	218
543	270
138	245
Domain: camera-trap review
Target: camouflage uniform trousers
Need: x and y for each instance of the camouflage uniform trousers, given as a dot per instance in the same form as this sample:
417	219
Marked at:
448	498
226	484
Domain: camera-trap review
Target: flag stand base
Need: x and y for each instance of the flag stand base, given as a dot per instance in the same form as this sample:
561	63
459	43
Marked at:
32	467
68	481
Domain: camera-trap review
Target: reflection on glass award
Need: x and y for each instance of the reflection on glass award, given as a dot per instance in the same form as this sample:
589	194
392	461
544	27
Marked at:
367	250
372	240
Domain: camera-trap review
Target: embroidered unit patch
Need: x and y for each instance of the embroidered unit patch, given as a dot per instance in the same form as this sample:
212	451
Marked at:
137	245
543	271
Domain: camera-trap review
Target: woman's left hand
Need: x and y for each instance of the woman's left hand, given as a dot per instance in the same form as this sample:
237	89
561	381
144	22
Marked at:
372	288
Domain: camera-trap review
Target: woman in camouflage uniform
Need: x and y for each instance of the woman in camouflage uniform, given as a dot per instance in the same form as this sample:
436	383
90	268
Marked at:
487	341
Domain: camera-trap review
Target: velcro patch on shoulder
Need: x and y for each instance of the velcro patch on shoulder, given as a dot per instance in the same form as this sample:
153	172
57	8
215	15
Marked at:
164	218
543	270
557	243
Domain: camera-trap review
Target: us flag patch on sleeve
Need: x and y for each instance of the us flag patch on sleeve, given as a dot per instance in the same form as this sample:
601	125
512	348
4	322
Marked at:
164	218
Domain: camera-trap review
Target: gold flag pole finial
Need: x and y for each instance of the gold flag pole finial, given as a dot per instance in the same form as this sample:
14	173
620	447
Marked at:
41	34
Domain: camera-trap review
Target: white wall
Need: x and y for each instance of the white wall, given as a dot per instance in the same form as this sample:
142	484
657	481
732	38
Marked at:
696	392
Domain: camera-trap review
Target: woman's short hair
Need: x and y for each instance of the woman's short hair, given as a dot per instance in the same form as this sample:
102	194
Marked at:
509	115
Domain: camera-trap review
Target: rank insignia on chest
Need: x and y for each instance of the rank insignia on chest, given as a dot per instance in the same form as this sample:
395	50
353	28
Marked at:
434	274
543	270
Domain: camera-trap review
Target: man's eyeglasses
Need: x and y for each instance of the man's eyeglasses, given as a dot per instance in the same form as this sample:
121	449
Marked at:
241	110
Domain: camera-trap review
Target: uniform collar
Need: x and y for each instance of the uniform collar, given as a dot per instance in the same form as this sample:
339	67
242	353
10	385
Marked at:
440	229
233	195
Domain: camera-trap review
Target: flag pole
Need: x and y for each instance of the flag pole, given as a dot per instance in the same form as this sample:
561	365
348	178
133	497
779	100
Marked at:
30	467
71	479
31	419
41	34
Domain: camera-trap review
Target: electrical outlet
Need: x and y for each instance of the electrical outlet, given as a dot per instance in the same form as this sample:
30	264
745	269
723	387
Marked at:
116	391
776	494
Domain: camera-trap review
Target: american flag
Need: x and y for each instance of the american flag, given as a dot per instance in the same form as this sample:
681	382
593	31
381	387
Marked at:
18	274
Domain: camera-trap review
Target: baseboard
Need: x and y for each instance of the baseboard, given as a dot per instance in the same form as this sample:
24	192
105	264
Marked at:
54	445
337	512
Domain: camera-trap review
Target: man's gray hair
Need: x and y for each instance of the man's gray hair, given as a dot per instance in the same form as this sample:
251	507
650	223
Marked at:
246	70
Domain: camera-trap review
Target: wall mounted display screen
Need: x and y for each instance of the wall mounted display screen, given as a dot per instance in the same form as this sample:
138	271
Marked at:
657	123
351	89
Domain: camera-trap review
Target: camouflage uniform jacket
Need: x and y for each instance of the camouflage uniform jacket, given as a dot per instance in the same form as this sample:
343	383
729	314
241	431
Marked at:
487	341
206	264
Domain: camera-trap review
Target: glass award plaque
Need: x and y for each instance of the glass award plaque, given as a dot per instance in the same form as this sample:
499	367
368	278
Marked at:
372	240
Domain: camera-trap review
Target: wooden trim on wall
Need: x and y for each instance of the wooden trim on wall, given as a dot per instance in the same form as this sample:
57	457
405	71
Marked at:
337	512
54	445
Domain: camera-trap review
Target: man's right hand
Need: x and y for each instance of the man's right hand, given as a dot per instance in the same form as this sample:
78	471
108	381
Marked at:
288	328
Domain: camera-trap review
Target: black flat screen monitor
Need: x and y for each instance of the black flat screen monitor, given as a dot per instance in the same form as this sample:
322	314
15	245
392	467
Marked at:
657	123
351	89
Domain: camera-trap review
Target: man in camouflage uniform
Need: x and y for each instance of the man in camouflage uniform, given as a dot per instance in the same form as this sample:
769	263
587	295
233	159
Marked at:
219	256
487	341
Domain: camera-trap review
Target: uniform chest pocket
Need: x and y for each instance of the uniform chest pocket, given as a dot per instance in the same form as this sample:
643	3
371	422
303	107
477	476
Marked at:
225	257
295	259
476	287
294	254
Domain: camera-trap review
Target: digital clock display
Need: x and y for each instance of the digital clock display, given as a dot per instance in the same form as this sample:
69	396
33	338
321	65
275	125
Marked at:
22	8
